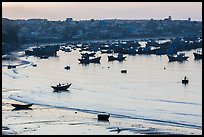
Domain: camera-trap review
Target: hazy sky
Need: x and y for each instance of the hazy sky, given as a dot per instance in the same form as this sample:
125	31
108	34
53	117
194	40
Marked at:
102	10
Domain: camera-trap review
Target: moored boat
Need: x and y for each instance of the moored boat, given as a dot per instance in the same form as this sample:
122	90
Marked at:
67	67
90	60
123	71
179	57
43	51
120	57
92	54
111	58
11	66
197	55
185	81
61	86
103	116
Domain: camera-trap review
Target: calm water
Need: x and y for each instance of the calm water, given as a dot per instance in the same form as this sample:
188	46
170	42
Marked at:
147	91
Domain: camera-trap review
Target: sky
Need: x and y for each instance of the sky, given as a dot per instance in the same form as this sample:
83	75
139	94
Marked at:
102	10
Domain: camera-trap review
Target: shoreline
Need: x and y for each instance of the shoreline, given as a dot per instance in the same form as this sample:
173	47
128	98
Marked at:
47	121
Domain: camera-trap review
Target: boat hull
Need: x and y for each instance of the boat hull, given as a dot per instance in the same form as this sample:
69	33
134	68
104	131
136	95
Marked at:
61	87
94	60
112	58
197	56
103	117
172	58
184	81
20	106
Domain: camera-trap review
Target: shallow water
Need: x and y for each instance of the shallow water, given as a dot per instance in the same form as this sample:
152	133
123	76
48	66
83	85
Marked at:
147	91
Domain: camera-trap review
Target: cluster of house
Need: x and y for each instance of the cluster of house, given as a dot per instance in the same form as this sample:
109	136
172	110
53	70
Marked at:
41	30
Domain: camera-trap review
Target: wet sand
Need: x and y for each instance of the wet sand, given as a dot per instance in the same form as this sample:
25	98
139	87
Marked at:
53	121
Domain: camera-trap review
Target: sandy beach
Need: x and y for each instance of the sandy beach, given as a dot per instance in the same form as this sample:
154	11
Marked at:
55	121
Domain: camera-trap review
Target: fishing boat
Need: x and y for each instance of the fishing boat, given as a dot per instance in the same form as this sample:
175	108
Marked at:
43	51
123	71
112	58
44	57
67	67
61	86
178	57
92	54
11	66
88	60
185	81
106	51
34	65
22	106
120	57
103	116
197	55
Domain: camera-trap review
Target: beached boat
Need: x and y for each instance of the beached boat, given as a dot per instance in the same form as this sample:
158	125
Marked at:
11	66
197	55
22	106
103	116
178	57
61	86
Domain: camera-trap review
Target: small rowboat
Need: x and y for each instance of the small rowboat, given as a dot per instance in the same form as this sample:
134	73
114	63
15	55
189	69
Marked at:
22	106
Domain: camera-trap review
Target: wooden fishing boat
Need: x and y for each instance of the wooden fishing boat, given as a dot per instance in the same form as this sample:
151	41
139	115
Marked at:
185	81
61	86
90	60
180	57
67	67
103	116
197	55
